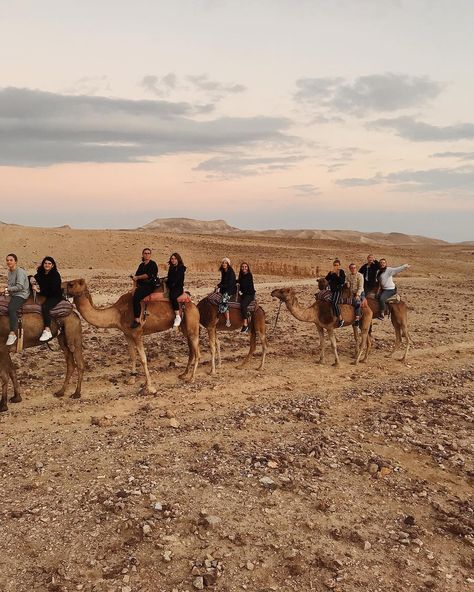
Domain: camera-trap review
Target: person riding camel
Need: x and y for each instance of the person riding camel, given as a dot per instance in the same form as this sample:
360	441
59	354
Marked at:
387	287
355	283
336	279
146	278
227	288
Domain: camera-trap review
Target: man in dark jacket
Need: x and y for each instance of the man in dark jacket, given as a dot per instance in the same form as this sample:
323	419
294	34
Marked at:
369	271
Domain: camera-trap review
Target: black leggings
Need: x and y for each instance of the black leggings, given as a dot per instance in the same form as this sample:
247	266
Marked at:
138	295
246	300
335	299
174	294
46	307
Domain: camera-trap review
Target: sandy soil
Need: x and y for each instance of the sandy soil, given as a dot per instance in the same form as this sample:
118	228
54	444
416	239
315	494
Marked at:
300	477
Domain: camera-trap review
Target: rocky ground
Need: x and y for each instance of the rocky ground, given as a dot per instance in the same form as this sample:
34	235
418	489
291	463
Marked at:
299	477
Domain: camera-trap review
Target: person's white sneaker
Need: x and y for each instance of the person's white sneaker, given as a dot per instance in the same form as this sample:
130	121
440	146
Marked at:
46	335
177	321
228	324
11	339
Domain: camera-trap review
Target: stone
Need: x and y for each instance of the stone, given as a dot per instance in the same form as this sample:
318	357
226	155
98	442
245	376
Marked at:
373	468
146	529
198	583
409	520
174	423
250	566
367	546
272	464
210	521
268	482
167	556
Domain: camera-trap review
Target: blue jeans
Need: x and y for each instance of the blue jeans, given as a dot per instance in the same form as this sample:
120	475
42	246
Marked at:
356	302
385	295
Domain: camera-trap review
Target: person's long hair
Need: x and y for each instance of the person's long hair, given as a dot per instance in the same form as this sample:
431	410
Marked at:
41	270
178	257
241	273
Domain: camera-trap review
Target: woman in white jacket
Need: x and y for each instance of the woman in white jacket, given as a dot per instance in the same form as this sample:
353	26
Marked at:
387	286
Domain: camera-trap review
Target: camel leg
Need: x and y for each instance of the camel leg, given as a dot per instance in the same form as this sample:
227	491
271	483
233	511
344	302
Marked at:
356	340
69	365
212	334
408	342
398	339
79	363
332	339
141	352
369	347
263	340
132	350
193	358
253	347
322	345
362	348
16	387
3	401
218	348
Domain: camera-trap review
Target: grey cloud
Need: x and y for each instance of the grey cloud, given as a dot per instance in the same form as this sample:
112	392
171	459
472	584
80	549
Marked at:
304	189
430	180
418	131
159	87
89	85
368	94
238	165
202	82
459	155
42	128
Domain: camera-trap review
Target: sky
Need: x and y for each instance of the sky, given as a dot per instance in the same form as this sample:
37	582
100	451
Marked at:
353	114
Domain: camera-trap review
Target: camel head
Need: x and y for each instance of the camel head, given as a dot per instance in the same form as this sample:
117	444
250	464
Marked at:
75	287
283	294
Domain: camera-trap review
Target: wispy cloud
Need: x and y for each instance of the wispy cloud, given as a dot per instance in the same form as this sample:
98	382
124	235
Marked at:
458	155
430	180
160	87
304	189
418	131
204	83
41	128
375	93
239	165
89	85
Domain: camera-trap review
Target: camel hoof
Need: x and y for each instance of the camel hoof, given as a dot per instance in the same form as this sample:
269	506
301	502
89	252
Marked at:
3	408
58	394
16	399
212	372
132	380
335	364
75	396
183	375
151	390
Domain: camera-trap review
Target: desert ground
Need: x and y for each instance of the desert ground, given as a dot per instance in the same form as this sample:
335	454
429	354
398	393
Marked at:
299	477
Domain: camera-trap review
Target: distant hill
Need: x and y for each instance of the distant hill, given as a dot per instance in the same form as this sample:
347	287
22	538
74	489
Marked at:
189	226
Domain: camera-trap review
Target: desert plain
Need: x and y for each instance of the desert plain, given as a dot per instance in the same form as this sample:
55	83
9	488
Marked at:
299	477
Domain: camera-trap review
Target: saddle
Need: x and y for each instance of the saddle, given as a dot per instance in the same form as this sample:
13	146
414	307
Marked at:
392	300
61	310
215	298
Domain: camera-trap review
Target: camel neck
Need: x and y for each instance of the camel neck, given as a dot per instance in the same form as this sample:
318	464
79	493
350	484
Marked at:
306	315
99	317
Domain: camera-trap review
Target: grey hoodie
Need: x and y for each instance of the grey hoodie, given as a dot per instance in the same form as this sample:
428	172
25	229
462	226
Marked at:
18	284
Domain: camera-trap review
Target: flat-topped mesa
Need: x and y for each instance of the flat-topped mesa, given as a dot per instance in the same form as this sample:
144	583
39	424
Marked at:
189	225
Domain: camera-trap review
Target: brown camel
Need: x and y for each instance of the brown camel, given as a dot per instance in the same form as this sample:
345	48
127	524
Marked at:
159	317
399	316
69	338
7	372
320	314
212	321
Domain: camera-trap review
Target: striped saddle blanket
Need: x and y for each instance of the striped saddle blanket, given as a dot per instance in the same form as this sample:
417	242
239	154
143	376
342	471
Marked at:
61	310
326	296
215	298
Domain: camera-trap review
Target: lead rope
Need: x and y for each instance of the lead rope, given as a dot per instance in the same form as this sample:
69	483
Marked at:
278	314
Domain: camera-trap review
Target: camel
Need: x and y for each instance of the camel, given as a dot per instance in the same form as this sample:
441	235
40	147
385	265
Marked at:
212	321
399	317
320	314
7	372
159	317
69	338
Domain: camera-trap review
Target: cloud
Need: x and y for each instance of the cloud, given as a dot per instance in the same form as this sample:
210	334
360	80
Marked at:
238	165
203	83
304	189
89	85
41	128
418	131
460	179
459	155
160	87
368	94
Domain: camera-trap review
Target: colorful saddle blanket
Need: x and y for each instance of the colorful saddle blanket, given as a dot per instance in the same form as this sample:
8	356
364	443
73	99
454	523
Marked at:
161	297
216	298
323	295
61	310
